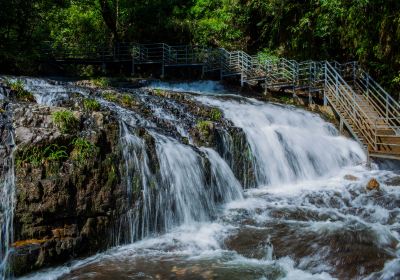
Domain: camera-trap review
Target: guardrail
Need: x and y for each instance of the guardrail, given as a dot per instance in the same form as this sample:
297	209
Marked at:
368	110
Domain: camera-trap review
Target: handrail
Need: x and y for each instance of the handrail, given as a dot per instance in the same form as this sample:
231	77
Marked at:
367	105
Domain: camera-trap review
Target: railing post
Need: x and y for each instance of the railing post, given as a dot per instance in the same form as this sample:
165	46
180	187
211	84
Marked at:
325	83
162	62
387	108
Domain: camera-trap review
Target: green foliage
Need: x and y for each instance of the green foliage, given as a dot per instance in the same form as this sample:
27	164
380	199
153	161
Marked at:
110	96
101	82
83	150
215	114
127	100
38	155
204	127
343	30
91	104
65	121
18	89
267	55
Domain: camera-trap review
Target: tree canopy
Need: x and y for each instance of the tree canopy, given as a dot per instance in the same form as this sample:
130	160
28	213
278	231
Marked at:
363	30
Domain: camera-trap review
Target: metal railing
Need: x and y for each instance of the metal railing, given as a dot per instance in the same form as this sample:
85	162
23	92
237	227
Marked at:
369	112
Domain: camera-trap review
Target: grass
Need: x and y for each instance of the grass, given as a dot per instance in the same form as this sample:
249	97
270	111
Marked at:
91	104
65	120
17	87
83	150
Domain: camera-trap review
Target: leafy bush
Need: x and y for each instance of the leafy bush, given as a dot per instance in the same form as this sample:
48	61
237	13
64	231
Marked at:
216	114
65	121
83	149
267	54
110	96
91	104
101	82
204	127
127	100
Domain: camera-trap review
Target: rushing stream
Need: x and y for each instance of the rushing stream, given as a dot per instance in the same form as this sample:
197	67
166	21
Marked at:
303	219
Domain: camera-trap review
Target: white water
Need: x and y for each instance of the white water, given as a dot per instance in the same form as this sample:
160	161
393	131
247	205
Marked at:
297	224
7	201
48	92
289	144
204	87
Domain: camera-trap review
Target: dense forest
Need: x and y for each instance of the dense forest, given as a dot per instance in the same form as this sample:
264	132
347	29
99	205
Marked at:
364	30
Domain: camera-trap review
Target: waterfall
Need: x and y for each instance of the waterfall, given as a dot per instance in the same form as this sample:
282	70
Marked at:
287	144
7	193
188	215
186	188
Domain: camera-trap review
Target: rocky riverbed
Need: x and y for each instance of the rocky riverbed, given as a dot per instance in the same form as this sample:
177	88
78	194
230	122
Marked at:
205	184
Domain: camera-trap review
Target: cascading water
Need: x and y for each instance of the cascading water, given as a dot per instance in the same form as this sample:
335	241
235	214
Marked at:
303	219
287	144
7	191
177	193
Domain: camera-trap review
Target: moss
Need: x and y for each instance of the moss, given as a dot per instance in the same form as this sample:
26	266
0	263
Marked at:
19	91
136	184
153	184
65	120
91	104
111	177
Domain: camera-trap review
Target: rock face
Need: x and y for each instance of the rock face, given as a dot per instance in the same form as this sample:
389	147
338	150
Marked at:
72	199
372	185
67	197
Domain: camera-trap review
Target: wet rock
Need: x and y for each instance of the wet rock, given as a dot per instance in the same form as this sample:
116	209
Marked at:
350	177
58	197
395	181
373	184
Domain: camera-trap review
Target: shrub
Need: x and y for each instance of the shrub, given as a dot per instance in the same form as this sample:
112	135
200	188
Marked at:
101	82
216	114
204	127
65	121
91	104
127	100
83	149
110	96
21	94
